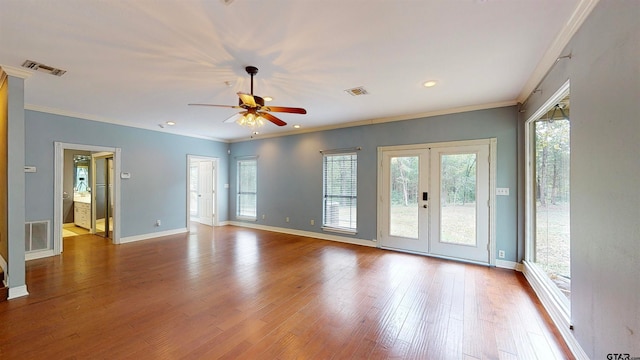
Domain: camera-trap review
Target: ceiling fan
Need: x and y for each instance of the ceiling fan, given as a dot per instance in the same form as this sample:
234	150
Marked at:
254	109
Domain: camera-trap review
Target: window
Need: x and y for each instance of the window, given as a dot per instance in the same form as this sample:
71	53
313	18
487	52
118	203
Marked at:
246	204
548	250
552	196
340	192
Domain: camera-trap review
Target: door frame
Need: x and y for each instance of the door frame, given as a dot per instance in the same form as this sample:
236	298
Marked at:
492	142
216	162
58	179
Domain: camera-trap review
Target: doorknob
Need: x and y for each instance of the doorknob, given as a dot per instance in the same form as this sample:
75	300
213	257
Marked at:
425	206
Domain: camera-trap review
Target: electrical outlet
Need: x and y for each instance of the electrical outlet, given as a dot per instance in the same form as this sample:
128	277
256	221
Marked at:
501	254
158	222
312	222
286	219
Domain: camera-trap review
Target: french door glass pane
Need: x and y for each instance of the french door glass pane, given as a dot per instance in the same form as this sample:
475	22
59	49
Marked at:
552	228
458	199
403	214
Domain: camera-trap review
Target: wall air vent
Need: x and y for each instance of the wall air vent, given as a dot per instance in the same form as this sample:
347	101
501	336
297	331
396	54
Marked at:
357	91
29	64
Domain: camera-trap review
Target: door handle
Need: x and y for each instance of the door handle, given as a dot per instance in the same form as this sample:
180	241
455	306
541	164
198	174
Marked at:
425	206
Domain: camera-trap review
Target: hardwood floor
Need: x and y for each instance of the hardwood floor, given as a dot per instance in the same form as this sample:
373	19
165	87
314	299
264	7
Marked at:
237	293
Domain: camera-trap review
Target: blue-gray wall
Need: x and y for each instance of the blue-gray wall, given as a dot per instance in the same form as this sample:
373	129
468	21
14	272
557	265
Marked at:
605	176
157	162
290	168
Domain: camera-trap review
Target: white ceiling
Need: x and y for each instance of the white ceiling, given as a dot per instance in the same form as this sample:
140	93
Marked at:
141	62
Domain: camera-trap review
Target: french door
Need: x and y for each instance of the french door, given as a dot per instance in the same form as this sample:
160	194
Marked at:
405	212
434	199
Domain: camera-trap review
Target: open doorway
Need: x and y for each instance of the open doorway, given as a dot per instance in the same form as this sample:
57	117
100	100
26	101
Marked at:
89	189
76	190
201	190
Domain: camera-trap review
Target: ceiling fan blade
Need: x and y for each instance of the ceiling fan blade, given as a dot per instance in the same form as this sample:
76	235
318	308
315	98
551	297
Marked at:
247	99
234	117
224	106
285	109
272	118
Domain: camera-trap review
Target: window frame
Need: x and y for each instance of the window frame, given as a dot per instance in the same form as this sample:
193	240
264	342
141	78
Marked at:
353	199
240	191
553	300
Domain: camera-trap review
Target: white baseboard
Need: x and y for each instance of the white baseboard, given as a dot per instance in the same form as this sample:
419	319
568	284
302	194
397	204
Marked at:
128	239
38	254
505	264
311	234
17	291
560	320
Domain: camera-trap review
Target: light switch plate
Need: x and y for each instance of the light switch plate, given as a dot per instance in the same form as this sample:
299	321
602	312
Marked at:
502	191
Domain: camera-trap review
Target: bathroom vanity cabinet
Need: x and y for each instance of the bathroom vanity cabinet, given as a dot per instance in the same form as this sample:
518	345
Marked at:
82	214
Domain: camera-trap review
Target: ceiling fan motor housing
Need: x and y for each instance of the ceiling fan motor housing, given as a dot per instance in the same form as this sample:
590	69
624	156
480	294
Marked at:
251	70
259	101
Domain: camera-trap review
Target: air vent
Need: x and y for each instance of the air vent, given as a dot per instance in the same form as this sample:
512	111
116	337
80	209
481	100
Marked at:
357	91
29	64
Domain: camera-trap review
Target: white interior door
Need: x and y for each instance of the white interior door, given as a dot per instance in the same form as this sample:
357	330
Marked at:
460	202
206	192
405	213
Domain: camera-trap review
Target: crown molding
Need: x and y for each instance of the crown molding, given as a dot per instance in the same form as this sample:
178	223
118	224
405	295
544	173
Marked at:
54	111
582	11
457	110
16	71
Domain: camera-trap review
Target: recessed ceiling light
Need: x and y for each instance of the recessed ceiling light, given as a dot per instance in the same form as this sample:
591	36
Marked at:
296	126
256	133
430	83
357	91
171	123
267	98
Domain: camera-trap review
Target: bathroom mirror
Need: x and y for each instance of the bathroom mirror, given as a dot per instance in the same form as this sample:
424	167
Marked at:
81	171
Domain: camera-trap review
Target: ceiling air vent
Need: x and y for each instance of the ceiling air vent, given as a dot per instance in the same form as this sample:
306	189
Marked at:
357	91
29	64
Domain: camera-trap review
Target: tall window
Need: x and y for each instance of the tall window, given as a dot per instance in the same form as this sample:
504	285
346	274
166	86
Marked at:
340	192
548	254
552	195
246	203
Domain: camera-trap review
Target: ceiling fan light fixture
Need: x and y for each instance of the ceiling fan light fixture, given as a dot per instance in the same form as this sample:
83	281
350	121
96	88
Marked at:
251	121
